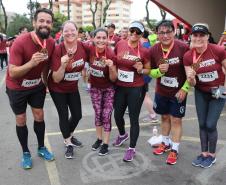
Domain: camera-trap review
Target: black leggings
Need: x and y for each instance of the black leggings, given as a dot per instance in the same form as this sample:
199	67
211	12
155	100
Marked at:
133	98
4	57
63	101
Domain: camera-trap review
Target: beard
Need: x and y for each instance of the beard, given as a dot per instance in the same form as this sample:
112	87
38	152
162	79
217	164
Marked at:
43	34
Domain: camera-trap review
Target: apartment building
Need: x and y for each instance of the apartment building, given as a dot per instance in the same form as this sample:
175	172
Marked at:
117	13
62	7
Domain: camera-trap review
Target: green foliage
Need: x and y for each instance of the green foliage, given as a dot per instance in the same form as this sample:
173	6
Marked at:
153	23
59	19
87	28
17	22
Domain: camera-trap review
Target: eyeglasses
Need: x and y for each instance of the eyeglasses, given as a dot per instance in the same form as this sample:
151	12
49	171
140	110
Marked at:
167	33
138	32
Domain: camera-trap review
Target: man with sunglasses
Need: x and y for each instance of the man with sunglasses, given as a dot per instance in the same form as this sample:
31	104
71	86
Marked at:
132	63
171	87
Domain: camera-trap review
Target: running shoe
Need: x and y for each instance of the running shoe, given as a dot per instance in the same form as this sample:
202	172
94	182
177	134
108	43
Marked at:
96	145
162	148
129	155
103	150
208	162
198	161
120	139
45	154
69	153
75	142
172	157
26	162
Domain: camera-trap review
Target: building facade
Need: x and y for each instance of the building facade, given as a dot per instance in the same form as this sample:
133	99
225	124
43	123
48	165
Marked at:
117	13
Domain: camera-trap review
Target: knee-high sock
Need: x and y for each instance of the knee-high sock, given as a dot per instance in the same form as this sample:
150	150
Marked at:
39	128
22	134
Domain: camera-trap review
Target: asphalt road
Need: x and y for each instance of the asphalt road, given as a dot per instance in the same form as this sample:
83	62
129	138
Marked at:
89	168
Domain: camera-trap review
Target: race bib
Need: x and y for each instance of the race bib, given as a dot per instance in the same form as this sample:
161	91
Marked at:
77	63
72	76
30	83
96	73
125	76
208	77
169	82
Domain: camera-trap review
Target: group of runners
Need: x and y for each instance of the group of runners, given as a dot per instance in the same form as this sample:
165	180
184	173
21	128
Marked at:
117	69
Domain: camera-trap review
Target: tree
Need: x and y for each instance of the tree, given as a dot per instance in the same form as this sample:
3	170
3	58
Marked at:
51	4
163	13
150	22
17	22
147	14
93	11
88	28
107	4
68	9
32	7
5	16
59	19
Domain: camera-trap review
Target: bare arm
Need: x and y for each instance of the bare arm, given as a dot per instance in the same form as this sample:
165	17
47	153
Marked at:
190	73
112	70
20	71
59	74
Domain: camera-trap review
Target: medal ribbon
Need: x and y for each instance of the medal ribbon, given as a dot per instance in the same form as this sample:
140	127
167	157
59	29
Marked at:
43	46
165	56
97	54
195	58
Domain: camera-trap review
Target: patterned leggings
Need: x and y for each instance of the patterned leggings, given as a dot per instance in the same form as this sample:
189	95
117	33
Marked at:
102	100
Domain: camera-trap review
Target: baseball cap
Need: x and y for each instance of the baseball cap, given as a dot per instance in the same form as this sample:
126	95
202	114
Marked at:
138	25
199	28
111	25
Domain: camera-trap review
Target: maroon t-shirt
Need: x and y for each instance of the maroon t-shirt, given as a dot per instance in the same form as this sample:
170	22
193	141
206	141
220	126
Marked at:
126	58
210	73
3	46
72	73
113	40
169	84
99	74
20	53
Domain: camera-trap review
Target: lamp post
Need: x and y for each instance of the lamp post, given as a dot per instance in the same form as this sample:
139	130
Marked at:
68	9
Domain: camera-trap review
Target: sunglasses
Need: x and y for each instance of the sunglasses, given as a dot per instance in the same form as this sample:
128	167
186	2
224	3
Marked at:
138	32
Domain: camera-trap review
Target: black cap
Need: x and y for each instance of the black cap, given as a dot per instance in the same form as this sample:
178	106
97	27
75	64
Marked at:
199	28
111	25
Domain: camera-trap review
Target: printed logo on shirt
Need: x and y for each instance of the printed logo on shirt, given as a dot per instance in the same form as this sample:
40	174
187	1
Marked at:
208	77
99	63
96	73
169	82
30	83
175	60
127	56
72	76
206	63
77	63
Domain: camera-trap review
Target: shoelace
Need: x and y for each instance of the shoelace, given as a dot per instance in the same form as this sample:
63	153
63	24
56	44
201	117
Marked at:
162	147
173	155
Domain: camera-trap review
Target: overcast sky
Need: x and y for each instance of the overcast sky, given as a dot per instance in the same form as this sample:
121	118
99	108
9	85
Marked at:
137	10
